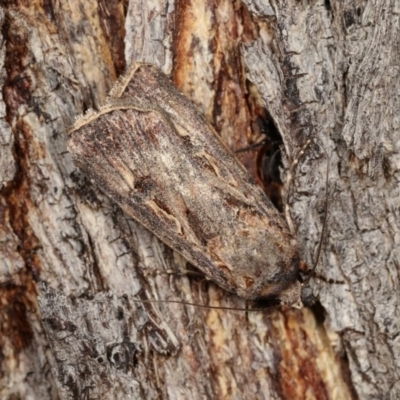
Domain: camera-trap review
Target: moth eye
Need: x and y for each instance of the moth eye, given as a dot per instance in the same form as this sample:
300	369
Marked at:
248	281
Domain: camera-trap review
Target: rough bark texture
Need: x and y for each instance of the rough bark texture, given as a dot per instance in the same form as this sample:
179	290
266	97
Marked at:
334	75
323	70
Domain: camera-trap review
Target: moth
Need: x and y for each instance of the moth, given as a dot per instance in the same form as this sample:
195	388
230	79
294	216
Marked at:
152	152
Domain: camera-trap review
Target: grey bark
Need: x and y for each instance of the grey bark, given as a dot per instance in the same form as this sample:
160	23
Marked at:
325	71
334	76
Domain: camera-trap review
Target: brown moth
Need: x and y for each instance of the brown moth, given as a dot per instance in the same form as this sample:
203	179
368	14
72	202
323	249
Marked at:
150	150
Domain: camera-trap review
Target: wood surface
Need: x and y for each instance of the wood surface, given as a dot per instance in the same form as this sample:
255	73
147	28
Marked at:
72	262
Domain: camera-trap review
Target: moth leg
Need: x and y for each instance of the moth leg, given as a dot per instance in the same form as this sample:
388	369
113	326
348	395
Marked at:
251	147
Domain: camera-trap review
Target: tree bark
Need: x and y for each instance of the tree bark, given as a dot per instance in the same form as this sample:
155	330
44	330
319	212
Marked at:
73	265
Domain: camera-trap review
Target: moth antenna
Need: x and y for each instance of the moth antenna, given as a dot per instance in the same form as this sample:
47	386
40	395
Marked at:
205	306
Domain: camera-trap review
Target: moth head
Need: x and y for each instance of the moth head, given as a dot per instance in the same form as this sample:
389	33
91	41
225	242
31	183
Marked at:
291	296
283	286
